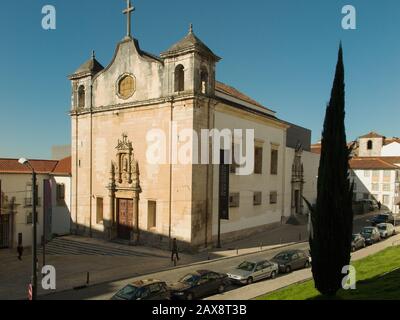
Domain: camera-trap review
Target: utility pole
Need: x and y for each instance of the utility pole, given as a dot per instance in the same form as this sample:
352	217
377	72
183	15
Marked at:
33	286
34	237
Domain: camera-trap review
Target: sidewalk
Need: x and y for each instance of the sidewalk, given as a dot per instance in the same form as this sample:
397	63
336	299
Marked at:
105	261
264	287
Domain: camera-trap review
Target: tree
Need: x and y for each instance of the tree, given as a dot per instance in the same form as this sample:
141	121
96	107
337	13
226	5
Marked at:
332	216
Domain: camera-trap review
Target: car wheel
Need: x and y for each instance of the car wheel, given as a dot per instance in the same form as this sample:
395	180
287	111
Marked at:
307	264
189	296
288	269
273	274
221	288
250	280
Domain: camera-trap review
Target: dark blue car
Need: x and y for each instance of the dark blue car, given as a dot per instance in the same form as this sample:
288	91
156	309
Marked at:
382	218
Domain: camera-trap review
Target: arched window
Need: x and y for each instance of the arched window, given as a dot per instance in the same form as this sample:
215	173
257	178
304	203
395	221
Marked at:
204	80
369	145
81	97
179	78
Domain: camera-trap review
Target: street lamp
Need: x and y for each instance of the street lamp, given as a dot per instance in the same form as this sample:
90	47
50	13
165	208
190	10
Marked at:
25	162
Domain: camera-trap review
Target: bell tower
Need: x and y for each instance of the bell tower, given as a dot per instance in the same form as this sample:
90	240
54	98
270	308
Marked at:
190	66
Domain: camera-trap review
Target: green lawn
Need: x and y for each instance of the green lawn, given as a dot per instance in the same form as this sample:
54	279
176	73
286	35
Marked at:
378	277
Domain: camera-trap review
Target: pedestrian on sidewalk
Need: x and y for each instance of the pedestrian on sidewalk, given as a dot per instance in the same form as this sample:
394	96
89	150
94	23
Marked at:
174	250
20	250
379	205
20	247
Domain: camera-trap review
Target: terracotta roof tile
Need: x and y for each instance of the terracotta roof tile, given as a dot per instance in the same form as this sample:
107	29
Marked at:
391	140
372	135
231	91
316	148
374	163
63	166
40	166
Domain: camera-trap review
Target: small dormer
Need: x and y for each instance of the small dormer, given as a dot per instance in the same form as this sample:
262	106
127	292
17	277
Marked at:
81	83
190	66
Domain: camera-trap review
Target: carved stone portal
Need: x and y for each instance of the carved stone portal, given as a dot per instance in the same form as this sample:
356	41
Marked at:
124	190
297	182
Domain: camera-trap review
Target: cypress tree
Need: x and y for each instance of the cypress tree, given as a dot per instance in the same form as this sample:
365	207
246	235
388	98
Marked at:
332	216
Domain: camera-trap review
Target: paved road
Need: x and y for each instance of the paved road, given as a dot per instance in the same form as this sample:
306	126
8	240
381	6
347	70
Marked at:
106	290
260	288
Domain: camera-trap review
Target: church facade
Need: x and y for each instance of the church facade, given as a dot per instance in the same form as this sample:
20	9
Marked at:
117	193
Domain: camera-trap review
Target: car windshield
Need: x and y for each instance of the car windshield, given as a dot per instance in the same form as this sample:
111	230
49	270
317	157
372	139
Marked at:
382	216
382	227
190	279
130	292
246	266
283	256
367	231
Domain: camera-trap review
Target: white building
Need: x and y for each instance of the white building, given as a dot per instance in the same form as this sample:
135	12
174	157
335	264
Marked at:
377	178
375	169
53	188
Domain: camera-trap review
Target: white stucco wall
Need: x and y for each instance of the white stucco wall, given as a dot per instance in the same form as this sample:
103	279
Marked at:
391	150
377	144
364	180
14	185
61	212
247	215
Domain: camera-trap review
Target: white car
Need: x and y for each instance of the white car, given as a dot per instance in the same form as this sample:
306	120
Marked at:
253	270
386	230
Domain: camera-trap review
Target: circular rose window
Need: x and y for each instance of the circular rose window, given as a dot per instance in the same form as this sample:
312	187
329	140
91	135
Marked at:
126	86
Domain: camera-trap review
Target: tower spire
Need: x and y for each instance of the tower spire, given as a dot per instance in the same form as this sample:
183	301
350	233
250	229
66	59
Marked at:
128	11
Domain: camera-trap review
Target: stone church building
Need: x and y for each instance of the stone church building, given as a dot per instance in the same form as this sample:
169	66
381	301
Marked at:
118	194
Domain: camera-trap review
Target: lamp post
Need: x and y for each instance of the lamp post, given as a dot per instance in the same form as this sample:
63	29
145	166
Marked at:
25	162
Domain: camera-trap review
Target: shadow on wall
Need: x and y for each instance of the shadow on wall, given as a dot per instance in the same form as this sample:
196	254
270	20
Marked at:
363	200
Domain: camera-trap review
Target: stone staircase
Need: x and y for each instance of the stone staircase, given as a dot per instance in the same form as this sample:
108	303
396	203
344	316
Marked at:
66	246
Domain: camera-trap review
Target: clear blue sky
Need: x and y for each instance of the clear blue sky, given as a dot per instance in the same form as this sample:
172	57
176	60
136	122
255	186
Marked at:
280	52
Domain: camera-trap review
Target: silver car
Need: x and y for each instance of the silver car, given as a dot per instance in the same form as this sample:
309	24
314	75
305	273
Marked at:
253	270
386	230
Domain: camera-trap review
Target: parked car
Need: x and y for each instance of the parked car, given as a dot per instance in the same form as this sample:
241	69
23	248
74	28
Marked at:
382	218
371	235
291	260
372	205
199	284
252	270
144	290
386	230
357	242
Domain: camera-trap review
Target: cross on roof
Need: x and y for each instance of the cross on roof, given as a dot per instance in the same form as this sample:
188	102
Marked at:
128	11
